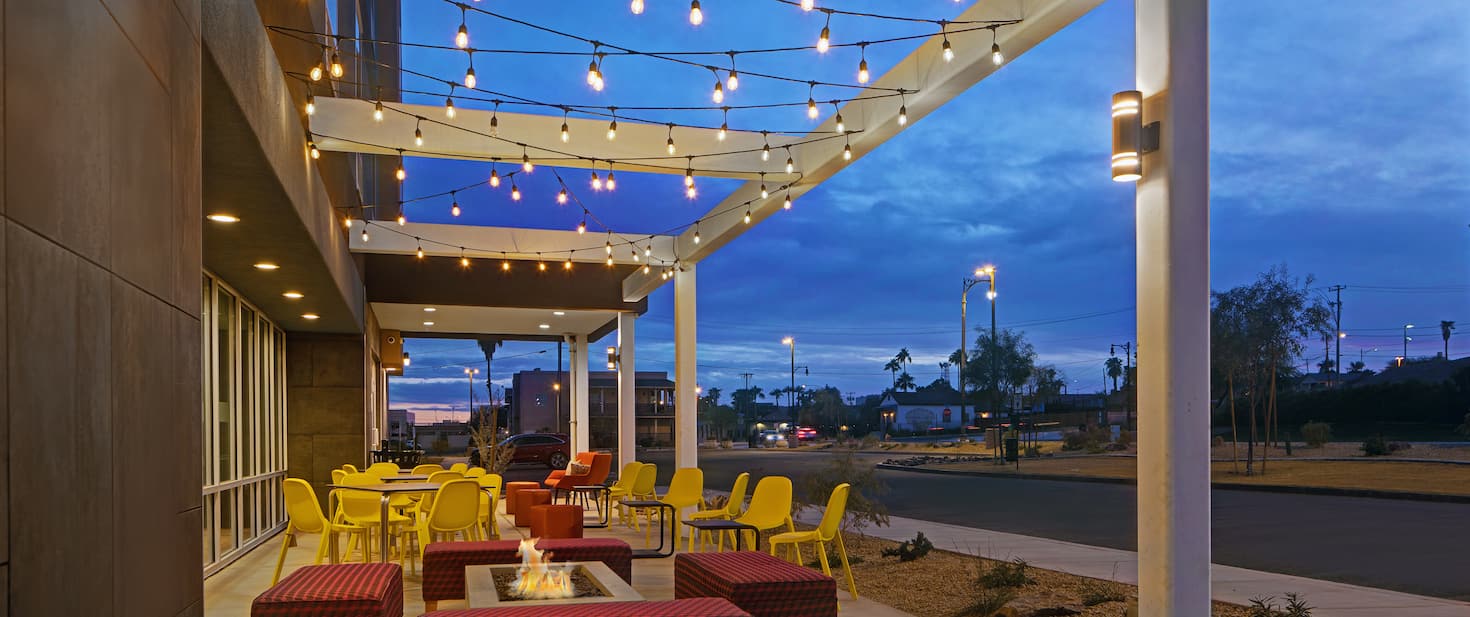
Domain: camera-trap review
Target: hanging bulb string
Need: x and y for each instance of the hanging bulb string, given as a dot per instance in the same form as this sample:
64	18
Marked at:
915	20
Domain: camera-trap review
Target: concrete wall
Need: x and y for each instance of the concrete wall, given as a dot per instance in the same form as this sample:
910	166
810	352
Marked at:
99	327
325	393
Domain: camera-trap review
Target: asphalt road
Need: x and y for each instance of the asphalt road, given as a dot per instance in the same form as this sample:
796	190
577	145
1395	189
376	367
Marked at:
1417	547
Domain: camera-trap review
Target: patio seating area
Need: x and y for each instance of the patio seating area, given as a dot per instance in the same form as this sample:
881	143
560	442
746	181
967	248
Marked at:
433	579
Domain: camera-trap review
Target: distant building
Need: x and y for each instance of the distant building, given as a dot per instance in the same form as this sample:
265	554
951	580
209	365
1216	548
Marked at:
457	434
400	427
921	411
537	405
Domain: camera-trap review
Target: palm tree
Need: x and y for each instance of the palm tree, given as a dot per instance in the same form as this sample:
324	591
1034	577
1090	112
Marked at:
1444	331
1356	367
905	382
944	370
894	366
1114	367
904	357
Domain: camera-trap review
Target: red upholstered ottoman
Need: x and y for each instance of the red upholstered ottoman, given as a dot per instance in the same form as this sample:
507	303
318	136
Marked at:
511	488
444	562
527	498
337	590
556	521
762	585
693	607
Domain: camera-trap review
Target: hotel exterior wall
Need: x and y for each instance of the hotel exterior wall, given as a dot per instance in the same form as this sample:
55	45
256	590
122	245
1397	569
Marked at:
325	398
100	324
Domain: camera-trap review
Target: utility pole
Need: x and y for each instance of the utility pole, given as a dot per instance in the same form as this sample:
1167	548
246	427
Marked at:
1128	350
1337	310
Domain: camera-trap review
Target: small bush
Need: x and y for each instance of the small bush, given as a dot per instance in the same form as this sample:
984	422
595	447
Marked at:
1095	592
1217	441
1375	446
1005	574
1316	434
910	549
1266	607
988	602
1125	439
869	442
1395	446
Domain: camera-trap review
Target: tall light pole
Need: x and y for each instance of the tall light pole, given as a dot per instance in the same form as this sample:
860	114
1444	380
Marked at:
791	408
469	374
1407	326
982	275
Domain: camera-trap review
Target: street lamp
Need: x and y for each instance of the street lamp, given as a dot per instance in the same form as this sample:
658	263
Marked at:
469	374
1407	326
982	275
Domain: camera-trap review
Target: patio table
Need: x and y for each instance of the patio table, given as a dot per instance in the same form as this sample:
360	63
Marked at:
671	518
387	490
406	477
722	525
602	498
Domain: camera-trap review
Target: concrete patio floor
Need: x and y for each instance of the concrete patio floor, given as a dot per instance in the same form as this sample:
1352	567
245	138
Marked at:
229	592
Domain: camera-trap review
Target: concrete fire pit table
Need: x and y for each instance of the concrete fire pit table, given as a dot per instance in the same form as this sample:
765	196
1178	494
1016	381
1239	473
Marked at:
480	590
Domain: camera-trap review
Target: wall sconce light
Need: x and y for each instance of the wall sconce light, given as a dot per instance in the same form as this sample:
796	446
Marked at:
612	358
1131	137
406	359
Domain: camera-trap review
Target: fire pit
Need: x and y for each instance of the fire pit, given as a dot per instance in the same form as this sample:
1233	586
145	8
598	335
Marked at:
536	581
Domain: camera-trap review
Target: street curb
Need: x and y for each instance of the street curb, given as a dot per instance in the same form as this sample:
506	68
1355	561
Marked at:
1231	486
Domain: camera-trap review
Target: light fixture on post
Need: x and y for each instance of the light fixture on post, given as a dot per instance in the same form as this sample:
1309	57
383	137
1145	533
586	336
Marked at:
612	358
1131	138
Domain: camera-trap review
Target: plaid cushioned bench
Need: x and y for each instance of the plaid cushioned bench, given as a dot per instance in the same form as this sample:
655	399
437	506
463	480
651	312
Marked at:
762	585
336	590
693	607
444	562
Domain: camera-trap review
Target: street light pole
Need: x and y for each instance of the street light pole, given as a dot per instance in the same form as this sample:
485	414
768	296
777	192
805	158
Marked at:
791	392
470	373
982	275
1407	326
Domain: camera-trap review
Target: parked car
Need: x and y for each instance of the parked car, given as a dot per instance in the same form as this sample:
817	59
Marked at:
550	449
772	439
806	433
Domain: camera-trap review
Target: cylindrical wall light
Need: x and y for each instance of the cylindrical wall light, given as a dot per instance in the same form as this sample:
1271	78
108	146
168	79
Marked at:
612	358
1127	136
406	359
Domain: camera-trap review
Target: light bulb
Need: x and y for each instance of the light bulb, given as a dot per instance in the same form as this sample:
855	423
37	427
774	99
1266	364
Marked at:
317	72
647	269
494	125
462	38
581	228
418	137
526	163
561	196
364	235
719	94
672	149
841	127
903	115
336	67
863	72
847	152
764	192
469	78
419	253
347	222
515	192
637	7
310	105
591	72
494	178
996	57
635	255
378	111
696	16
567	265
541	265
505	265
596	182
747	217
786	205
790	165
696	236
401	220
566	135
724	129
689	177
824	42
807	5
464	262
454	209
648	251
948	51
598	84
733	82
315	153
609	247
612	183
400	174
811	108
612	130
449	107
690	192
766	152
609	260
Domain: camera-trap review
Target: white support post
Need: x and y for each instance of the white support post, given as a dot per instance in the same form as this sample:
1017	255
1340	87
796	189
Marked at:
1173	239
581	425
686	402
627	389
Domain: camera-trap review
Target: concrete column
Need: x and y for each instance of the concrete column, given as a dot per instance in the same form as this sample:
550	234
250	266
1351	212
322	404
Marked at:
1173	225
686	402
581	433
627	387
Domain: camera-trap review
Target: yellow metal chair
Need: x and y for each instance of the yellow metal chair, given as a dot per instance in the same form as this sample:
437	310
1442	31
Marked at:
337	475
439	477
642	489
621	487
305	516
830	530
770	507
364	509
349	468
424	470
732	509
384	470
686	490
456	509
474	472
459	468
490	486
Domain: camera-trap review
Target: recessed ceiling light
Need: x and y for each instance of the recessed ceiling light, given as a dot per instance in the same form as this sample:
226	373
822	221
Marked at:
266	265
294	295
310	316
545	326
223	218
429	309
428	323
558	313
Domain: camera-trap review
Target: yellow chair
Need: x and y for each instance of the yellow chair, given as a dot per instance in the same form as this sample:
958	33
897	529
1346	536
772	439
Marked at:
304	514
364	509
620	488
383	470
770	507
830	530
439	477
456	509
337	475
459	468
686	490
424	470
349	468
642	489
731	510
474	472
490	486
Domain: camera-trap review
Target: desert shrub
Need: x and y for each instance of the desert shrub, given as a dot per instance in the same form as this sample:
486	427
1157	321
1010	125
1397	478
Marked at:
910	549
988	602
1115	447
869	442
1295	606
1375	446
1092	440
1125	439
1095	592
1316	434
863	505
1005	574
1074	441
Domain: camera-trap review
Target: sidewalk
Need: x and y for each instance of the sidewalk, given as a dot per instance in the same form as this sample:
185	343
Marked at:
1230	584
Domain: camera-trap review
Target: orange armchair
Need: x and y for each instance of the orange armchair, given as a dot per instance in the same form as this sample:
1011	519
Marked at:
597	473
582	458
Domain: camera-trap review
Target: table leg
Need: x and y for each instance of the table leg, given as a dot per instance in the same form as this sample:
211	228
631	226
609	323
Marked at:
383	523
331	538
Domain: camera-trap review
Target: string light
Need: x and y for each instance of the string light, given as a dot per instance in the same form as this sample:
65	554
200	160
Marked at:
596	181
504	265
469	73
449	106
863	64
454	209
336	69
561	196
764	192
724	126
515	191
696	233
824	41
494	178
733	82
903	110
609	244
636	7
347	221
689	177
790	162
317	71
766	149
718	96
786	205
495	120
648	250
635	254
948	50
646	269
315	153
807	5
612	127
418	133
526	165
462	37
671	148
400	173
420	251
364	234
691	192
566	134
567	265
696	16
996	57
540	265
612	182
841	126
609	260
378	111
310	104
401	220
464	262
747	216
811	104
847	152
582	227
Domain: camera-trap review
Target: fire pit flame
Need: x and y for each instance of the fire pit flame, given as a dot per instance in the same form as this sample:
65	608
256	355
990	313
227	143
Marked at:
536	579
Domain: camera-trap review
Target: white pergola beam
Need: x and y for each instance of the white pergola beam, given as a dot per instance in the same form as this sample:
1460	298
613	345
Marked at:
347	125
502	242
937	82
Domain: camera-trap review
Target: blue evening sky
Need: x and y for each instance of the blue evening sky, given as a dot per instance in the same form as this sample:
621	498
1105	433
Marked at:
1340	147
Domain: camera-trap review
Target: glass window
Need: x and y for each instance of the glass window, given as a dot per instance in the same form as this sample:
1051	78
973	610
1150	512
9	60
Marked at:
224	380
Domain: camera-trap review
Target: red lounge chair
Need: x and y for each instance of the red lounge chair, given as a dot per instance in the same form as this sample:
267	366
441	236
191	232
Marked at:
597	472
